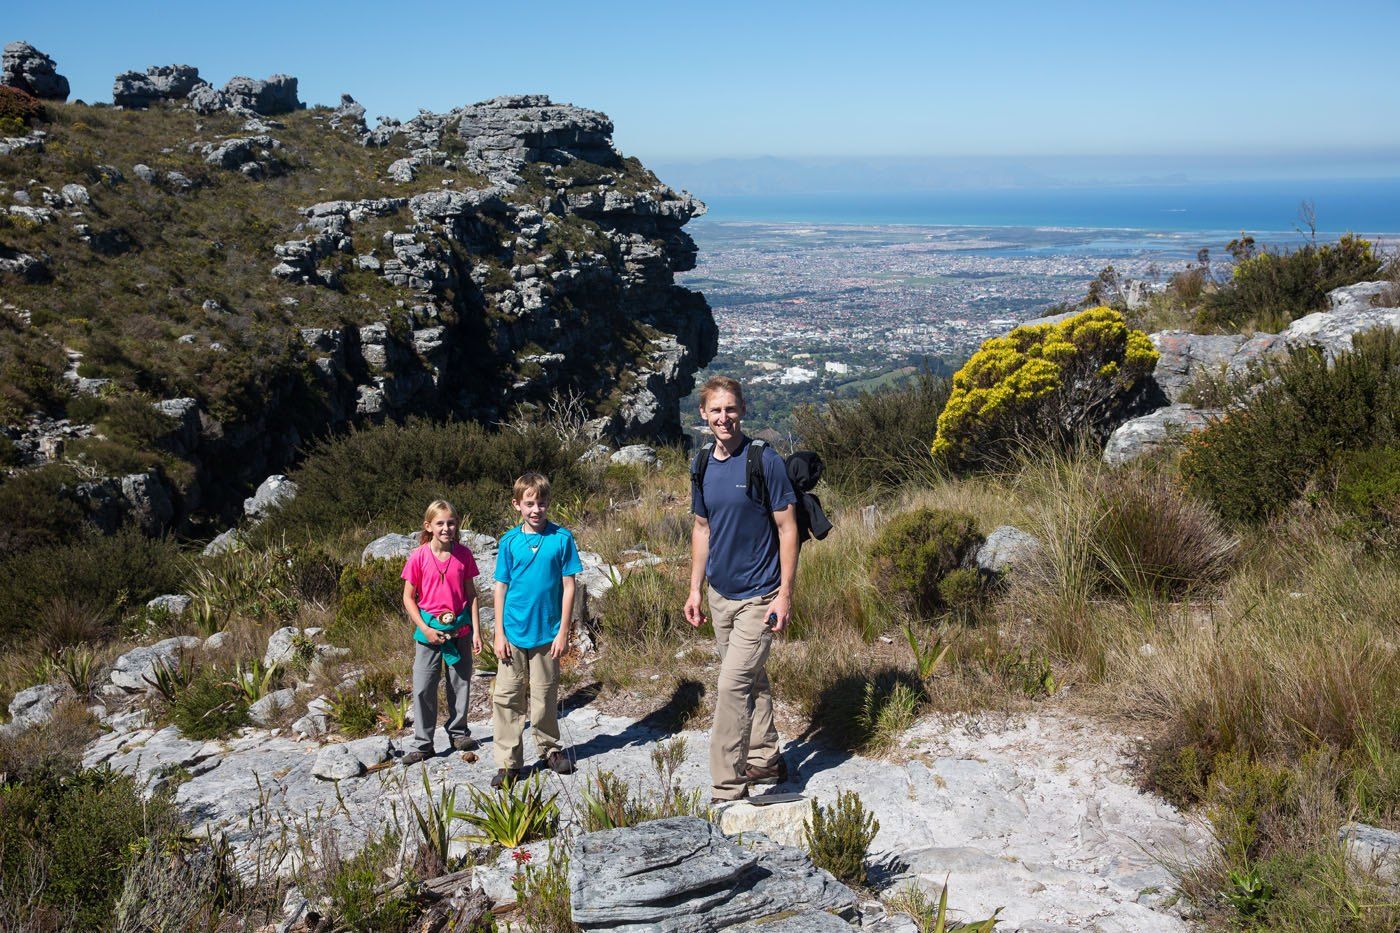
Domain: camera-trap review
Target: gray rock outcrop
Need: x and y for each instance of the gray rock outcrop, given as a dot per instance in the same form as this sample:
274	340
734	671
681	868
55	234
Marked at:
264	710
159	83
388	547
133	670
682	875
277	94
35	705
1373	849
24	67
635	455
272	493
174	604
1150	433
504	133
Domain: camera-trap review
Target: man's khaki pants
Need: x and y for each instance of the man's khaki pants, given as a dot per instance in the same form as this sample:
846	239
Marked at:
530	676
743	732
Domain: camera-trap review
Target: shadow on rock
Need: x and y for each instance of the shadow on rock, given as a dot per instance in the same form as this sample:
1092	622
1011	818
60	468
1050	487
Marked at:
680	708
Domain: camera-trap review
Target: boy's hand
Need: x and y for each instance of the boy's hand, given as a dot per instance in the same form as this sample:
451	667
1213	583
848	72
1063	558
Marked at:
501	646
693	615
560	646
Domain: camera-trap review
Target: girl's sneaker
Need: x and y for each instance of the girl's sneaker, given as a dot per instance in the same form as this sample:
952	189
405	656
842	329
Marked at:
415	756
464	743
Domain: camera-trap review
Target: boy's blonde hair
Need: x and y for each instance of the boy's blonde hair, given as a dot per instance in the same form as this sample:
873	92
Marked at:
536	483
435	508
721	384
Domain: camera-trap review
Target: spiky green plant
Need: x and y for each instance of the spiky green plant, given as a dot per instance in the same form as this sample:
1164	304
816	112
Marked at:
511	816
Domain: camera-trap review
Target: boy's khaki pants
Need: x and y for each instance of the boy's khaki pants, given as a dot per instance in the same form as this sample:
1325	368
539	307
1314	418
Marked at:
743	732
530	676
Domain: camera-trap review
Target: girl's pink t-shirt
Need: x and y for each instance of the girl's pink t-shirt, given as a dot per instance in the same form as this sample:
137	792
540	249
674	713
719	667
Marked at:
442	586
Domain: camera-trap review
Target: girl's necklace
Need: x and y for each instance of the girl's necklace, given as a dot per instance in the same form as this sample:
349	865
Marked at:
441	566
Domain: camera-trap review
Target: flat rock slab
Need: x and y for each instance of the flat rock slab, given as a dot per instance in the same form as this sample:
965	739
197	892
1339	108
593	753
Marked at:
1036	814
683	875
781	822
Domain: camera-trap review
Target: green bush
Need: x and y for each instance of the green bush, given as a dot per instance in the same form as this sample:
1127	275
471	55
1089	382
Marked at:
838	836
916	550
878	439
1048	383
115	573
355	711
37	507
961	590
384	476
1258	459
1368	487
355	886
82	831
1268	290
370	594
211	707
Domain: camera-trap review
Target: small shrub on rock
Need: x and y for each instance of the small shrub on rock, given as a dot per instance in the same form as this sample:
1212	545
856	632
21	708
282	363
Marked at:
1269	289
1048	383
211	707
1263	456
915	551
542	894
838	836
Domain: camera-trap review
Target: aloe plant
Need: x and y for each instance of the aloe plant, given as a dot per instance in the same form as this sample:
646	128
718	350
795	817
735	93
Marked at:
512	816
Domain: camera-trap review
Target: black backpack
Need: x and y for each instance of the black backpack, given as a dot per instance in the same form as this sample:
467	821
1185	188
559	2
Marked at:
804	469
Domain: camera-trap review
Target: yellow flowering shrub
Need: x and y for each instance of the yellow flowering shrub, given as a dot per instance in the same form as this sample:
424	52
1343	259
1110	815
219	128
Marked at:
1046	382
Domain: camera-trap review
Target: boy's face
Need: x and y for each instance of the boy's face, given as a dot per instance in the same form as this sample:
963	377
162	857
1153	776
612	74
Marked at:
532	509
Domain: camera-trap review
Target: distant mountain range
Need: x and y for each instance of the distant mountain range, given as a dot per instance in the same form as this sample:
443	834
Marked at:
771	175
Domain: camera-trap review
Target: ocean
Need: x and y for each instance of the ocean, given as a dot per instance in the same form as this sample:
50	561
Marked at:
1365	206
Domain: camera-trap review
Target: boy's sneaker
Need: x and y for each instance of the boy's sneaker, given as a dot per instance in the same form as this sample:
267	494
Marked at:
777	774
464	743
415	756
505	777
558	762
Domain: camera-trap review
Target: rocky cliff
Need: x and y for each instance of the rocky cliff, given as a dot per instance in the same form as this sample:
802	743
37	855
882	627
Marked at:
258	273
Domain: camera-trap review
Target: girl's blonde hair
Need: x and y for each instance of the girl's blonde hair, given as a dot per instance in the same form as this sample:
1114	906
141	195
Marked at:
435	508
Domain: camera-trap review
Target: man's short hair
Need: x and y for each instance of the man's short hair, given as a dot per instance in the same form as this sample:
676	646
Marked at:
721	384
528	483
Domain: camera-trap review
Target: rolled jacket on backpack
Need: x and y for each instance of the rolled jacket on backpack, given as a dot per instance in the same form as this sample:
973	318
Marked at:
456	625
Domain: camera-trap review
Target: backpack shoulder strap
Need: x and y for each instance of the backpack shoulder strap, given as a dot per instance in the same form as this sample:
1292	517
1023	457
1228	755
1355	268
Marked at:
697	469
755	476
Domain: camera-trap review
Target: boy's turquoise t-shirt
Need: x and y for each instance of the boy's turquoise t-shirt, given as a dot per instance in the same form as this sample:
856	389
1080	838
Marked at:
533	567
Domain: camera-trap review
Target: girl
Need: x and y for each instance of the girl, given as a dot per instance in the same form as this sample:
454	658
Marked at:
439	596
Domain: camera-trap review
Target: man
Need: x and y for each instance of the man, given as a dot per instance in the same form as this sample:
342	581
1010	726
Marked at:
748	551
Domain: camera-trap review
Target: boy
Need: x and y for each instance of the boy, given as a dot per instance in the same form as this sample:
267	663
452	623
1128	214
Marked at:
535	566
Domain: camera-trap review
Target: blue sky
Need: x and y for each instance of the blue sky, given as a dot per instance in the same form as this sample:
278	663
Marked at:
703	80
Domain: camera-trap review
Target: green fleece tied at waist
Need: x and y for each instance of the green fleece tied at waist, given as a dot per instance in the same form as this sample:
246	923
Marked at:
450	654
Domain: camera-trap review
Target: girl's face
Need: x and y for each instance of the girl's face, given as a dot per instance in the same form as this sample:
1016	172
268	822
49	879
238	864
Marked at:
443	528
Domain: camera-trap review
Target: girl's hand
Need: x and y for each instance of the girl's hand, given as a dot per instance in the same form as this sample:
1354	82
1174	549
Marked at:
476	641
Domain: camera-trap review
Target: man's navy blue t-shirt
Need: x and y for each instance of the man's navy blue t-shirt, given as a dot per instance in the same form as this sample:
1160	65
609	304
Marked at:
743	560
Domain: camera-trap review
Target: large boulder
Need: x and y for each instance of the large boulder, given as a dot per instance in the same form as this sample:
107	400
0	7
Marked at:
1005	549
133	670
35	705
1182	356
1162	428
278	94
25	67
148	500
504	133
160	82
681	875
1363	296
273	492
388	547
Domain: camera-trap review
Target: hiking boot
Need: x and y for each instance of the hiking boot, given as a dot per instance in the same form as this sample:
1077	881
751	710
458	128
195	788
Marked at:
415	756
558	762
777	774
464	743
505	777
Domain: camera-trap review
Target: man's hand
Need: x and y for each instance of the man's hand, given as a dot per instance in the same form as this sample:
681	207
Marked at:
501	646
779	607
560	646
693	615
